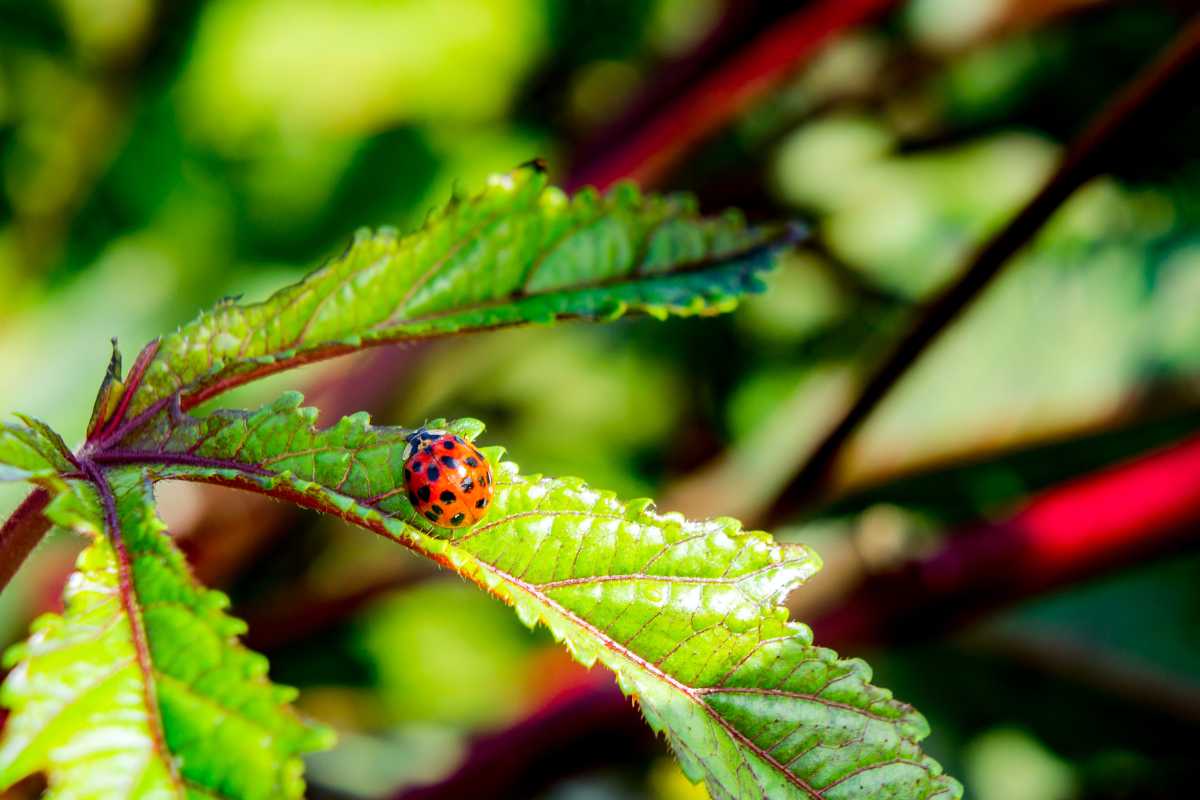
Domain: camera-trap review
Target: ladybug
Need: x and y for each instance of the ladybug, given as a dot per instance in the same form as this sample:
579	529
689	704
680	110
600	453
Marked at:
448	481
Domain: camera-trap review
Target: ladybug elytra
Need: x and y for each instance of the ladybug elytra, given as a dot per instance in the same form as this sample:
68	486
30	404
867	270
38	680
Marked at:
448	481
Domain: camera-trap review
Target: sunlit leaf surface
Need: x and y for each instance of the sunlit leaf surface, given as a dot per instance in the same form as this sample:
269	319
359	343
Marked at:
140	688
686	613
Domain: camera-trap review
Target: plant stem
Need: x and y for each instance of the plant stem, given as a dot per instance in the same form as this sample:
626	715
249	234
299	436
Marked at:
590	725
733	86
1126	514
1136	109
21	533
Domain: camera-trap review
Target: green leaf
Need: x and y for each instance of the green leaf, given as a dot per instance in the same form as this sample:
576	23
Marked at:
139	688
33	452
686	613
518	252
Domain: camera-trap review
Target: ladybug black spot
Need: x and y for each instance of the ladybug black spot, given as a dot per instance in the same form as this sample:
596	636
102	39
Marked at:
458	518
423	494
448	444
427	450
433	472
436	509
447	497
471	462
432	517
481	502
468	485
449	462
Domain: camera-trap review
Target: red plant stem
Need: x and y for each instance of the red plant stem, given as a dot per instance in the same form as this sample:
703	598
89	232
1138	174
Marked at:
1143	106
21	533
588	726
1077	530
714	102
296	618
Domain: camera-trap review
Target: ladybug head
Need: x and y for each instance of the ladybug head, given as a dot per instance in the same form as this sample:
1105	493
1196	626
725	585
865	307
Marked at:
417	437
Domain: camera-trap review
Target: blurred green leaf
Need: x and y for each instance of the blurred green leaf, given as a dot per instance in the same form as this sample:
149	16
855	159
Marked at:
1010	764
139	688
254	73
470	656
619	401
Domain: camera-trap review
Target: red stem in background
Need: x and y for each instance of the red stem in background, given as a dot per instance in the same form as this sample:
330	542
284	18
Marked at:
298	615
712	103
1138	108
587	726
21	532
1077	530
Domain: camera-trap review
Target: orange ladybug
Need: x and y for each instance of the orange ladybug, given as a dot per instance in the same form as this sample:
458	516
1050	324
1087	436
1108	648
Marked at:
448	481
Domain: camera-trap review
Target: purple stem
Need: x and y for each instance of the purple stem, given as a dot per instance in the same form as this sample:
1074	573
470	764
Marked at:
184	459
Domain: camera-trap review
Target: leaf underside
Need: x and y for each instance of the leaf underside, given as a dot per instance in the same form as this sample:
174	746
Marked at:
32	452
687	614
518	252
140	688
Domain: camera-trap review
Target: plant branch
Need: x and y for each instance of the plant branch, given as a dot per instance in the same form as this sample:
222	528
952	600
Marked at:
297	614
1081	529
589	725
655	147
21	533
1141	107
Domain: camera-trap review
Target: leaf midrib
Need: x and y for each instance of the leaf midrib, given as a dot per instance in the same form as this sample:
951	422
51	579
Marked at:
137	628
192	394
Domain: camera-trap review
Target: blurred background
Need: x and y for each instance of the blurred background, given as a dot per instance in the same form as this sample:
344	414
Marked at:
156	156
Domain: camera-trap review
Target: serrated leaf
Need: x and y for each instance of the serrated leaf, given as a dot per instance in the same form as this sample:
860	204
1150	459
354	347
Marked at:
32	452
139	688
518	252
687	614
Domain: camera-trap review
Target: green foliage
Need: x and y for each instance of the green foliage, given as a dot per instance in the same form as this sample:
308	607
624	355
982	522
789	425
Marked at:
518	252
474	656
687	614
139	688
32	452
